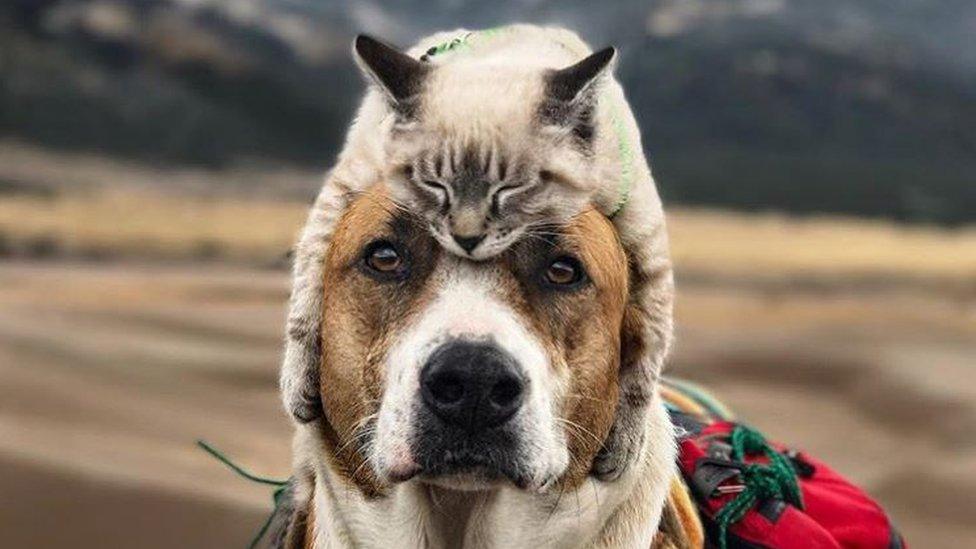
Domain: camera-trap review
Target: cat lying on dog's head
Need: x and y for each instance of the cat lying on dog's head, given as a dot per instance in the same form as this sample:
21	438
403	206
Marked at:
484	149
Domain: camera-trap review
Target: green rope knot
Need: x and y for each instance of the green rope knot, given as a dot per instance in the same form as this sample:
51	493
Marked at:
777	479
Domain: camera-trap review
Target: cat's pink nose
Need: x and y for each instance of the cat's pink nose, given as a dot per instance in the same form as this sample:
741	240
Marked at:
468	243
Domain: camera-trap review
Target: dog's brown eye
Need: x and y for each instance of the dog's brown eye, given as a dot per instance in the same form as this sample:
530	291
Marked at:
384	258
563	271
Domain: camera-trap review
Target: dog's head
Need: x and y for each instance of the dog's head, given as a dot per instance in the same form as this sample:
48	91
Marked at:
467	374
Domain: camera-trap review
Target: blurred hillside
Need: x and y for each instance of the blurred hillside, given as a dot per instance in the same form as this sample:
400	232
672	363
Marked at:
855	106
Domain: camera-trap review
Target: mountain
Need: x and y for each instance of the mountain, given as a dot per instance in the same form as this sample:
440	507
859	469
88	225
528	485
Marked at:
864	107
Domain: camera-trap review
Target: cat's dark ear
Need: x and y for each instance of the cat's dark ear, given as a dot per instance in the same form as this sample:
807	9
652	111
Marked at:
396	73
573	83
571	96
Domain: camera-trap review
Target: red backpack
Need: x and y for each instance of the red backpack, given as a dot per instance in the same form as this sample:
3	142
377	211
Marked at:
751	493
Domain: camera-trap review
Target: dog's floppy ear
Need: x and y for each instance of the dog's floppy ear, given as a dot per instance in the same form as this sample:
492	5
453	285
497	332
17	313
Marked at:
397	74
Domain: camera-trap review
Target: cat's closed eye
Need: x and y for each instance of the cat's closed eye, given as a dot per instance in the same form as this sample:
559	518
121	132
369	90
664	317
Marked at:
500	195
437	188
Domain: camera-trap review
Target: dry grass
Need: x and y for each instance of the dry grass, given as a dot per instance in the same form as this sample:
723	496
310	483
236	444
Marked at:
110	371
150	225
41	171
139	223
140	359
89	205
740	244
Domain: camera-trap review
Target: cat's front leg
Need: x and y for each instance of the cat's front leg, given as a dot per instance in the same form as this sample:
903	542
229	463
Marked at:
645	340
299	378
623	443
648	345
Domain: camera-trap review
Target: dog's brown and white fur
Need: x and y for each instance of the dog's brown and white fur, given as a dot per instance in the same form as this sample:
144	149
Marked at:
359	481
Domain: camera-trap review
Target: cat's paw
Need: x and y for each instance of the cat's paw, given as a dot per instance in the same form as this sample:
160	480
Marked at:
617	454
307	409
303	403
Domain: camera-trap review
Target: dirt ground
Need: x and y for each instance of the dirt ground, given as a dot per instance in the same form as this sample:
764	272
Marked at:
111	372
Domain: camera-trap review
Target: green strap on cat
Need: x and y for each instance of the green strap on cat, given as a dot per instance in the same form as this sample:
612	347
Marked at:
624	147
626	153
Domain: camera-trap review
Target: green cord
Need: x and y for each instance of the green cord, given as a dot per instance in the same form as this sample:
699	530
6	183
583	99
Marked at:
281	486
626	155
462	41
775	480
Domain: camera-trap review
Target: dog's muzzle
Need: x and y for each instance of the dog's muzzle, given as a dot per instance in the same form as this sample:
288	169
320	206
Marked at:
471	391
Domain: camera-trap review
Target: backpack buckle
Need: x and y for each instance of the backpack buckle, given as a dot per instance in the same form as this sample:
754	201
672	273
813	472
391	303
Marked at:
711	474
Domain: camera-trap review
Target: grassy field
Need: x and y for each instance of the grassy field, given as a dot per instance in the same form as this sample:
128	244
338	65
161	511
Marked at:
111	371
728	247
76	205
777	245
129	224
133	321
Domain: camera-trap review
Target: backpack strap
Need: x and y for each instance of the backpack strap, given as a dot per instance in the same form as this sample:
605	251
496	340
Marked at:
680	527
692	399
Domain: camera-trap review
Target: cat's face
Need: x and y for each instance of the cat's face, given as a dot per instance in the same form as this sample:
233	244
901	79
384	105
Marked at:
487	155
480	197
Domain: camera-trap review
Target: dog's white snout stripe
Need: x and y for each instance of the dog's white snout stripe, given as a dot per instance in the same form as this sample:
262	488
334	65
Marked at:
468	306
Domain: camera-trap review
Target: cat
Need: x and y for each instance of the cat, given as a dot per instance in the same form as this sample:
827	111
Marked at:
490	136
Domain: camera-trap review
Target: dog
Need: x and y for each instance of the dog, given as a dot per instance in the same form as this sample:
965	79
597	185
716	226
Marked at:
463	403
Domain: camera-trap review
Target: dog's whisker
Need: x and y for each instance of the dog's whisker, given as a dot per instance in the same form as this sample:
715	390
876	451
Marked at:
364	434
359	430
584	430
559	498
579	509
587	397
359	424
359	468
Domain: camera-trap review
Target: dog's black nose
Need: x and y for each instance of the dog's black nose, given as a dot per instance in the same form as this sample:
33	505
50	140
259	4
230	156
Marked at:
468	243
473	385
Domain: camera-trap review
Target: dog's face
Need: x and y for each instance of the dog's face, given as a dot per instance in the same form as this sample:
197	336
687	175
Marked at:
468	374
